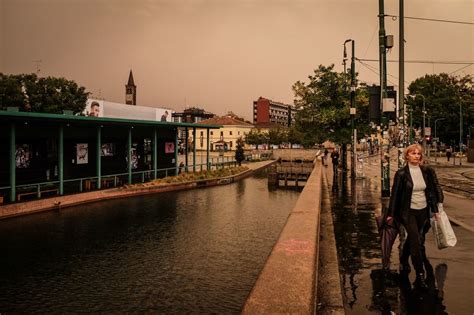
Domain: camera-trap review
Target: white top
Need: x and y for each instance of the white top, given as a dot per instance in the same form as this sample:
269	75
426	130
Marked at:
418	197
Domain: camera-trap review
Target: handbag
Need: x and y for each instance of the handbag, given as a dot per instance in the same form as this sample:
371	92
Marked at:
442	230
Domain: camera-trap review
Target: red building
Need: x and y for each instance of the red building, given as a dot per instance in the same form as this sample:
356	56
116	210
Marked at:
268	111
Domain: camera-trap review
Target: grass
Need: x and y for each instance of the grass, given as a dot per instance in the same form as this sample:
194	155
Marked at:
191	177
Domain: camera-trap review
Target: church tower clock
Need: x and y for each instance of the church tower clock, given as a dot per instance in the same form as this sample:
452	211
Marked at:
130	91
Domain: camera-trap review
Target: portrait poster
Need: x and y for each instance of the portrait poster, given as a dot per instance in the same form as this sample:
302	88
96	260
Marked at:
169	147
135	157
82	153
94	108
108	149
23	156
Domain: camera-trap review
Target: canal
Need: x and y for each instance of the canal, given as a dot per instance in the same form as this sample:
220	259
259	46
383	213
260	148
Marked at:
196	251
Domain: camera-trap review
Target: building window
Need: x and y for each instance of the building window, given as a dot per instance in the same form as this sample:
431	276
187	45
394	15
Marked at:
212	133
231	144
230	133
202	133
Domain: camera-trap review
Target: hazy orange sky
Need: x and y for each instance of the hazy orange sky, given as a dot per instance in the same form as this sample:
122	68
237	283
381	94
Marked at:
220	55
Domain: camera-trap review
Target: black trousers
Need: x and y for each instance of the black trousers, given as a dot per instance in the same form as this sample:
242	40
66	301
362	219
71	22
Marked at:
415	244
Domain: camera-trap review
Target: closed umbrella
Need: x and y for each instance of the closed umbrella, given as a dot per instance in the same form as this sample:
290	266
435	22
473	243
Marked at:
388	234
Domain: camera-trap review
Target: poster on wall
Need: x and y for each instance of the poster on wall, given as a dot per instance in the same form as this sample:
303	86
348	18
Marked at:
169	147
82	153
94	108
163	114
135	157
108	149
23	156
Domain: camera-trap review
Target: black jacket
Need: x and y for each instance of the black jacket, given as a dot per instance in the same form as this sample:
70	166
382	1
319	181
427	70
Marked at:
402	188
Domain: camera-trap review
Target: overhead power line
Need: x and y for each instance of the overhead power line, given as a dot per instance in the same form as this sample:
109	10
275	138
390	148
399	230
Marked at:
425	61
431	20
461	69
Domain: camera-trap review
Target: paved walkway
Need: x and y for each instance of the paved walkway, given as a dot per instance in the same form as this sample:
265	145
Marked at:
457	182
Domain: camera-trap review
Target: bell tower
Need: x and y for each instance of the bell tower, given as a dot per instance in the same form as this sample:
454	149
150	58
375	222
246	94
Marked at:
130	91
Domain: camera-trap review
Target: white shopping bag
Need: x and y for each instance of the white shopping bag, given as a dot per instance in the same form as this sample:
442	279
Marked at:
443	232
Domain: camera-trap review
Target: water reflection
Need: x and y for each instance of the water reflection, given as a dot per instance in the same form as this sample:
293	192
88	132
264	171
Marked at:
197	251
366	287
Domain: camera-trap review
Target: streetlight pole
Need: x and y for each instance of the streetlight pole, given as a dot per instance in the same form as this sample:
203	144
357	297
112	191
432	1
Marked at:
352	109
436	139
460	134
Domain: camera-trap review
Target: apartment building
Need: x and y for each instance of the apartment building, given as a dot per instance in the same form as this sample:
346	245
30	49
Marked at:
268	111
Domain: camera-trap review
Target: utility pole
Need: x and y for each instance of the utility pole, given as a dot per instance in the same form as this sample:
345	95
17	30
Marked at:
402	139
353	112
385	151
352	108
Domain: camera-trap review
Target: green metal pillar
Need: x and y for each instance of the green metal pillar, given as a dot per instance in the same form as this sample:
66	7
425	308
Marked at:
186	150
194	149
129	154
207	150
98	157
155	153
176	143
12	162
61	159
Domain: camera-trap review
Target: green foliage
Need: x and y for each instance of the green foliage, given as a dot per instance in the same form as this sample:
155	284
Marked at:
444	94
324	107
294	136
256	138
239	152
45	95
277	136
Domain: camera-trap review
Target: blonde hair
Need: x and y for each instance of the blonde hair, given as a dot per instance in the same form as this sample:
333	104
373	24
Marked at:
411	148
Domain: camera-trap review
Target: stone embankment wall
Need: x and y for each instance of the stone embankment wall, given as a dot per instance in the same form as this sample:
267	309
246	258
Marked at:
287	283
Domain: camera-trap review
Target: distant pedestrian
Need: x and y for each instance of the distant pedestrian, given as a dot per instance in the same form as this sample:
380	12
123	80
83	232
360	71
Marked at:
181	166
325	157
335	159
449	153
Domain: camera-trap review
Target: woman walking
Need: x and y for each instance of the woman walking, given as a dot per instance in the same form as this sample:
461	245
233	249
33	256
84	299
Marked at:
415	193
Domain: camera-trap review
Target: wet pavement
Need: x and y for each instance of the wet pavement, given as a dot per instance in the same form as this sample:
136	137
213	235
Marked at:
365	289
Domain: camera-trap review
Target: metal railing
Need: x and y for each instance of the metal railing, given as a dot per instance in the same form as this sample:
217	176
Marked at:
82	184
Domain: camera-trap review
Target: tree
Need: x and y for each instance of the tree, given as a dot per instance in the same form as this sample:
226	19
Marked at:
11	94
324	108
444	94
46	95
239	152
256	138
294	136
276	136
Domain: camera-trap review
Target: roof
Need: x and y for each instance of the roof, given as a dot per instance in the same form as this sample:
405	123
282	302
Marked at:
13	115
225	121
268	125
130	79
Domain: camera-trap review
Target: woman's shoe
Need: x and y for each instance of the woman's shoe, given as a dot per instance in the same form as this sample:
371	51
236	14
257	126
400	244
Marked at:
420	281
